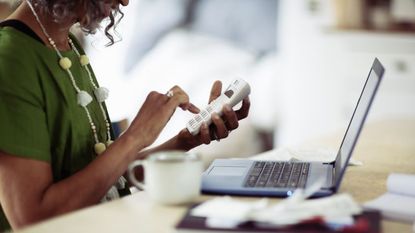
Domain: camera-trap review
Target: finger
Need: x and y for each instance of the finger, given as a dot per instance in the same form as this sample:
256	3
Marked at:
215	91
192	108
230	117
221	130
244	110
204	134
178	98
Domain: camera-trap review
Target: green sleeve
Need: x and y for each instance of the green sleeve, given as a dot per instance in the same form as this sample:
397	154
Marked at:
23	124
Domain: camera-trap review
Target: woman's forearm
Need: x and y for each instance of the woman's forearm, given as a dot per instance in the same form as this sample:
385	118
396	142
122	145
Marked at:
175	143
171	144
30	200
89	185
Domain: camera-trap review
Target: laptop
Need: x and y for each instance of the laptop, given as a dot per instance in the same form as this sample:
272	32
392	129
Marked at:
281	178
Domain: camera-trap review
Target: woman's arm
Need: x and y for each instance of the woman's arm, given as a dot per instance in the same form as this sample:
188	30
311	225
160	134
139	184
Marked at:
29	194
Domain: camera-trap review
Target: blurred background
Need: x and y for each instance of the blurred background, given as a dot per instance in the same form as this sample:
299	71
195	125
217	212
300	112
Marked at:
306	62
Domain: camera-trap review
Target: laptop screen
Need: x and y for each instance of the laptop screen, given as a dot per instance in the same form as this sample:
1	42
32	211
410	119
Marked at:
357	120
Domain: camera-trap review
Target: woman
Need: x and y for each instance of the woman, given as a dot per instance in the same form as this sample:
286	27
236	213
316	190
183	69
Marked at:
57	152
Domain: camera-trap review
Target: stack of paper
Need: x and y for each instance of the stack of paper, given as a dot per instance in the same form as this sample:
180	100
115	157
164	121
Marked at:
399	201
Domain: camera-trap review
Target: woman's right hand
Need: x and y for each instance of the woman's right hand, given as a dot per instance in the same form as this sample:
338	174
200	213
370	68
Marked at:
156	112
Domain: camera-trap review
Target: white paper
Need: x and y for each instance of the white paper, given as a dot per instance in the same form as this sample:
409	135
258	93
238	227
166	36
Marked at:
399	201
403	184
227	212
302	154
280	154
394	207
336	206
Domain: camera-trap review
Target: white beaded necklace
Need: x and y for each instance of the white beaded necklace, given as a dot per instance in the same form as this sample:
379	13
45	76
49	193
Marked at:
83	97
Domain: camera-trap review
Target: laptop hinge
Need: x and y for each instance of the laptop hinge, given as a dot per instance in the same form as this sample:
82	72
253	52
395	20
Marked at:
330	176
332	189
333	176
333	173
330	163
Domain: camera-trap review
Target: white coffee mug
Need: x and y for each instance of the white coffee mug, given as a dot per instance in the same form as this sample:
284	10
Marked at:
170	177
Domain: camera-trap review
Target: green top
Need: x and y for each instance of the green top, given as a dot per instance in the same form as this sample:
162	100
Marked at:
39	115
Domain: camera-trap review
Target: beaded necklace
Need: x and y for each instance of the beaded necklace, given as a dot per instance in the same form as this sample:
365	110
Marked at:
83	97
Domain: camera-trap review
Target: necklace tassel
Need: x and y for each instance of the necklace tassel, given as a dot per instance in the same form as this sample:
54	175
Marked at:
65	63
101	93
99	148
84	60
84	98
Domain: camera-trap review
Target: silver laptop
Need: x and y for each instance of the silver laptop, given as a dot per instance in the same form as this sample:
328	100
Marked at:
280	178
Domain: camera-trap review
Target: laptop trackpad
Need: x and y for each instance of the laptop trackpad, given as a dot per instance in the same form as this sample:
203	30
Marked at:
228	171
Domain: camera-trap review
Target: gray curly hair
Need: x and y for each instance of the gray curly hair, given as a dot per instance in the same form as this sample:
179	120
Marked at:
94	14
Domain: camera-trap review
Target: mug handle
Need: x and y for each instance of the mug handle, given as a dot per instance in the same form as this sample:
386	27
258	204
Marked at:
131	174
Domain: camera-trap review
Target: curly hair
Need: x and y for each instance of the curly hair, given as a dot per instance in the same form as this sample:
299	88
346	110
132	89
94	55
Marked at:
94	13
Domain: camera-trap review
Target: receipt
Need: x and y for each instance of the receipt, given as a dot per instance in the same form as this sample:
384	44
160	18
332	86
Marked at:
337	206
226	212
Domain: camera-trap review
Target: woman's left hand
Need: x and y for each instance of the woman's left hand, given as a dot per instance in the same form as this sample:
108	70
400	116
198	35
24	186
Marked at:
221	125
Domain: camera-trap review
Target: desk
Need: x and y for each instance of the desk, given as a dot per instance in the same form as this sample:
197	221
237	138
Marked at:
384	147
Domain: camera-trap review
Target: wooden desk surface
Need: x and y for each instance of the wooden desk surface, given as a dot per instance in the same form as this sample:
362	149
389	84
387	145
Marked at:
383	147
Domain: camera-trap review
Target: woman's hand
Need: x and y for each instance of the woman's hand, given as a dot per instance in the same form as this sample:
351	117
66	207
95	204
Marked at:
220	127
156	112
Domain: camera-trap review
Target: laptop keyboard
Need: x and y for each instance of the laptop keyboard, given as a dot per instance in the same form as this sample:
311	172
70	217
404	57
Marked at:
277	174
